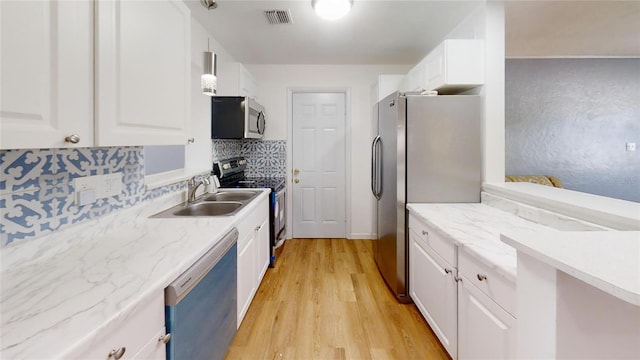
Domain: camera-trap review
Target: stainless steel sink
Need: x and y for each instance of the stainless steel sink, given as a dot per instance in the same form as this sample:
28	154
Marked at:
202	209
209	209
231	196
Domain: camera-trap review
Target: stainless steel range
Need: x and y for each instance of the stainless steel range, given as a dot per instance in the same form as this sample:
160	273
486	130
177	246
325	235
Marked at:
231	175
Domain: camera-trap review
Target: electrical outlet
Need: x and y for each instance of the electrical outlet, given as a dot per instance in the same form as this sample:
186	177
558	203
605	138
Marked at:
88	189
631	146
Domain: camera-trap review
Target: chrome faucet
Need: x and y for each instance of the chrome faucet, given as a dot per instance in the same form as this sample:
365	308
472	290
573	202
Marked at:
194	185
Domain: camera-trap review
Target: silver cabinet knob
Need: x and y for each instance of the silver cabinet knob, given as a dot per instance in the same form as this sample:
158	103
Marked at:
425	233
165	339
73	138
447	270
117	353
481	277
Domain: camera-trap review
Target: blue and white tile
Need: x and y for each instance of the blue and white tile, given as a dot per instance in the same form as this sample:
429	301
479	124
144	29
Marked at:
37	191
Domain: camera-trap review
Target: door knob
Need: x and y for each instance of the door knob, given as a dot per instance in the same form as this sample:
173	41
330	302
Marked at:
296	171
296	180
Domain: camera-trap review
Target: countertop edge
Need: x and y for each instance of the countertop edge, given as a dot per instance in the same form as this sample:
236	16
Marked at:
610	288
462	246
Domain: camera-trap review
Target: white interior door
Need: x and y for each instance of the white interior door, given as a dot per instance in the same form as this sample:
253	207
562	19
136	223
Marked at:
319	165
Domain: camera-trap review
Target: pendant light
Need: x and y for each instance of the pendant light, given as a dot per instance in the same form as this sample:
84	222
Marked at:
208	80
331	9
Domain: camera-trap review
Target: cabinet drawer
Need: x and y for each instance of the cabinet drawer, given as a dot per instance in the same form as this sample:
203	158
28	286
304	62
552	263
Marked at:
499	289
132	331
427	236
247	225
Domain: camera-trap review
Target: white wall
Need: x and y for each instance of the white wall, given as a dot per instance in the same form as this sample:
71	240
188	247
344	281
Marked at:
274	83
198	155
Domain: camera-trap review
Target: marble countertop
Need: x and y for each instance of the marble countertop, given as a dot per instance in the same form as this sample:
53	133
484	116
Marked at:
609	261
612	213
476	229
59	291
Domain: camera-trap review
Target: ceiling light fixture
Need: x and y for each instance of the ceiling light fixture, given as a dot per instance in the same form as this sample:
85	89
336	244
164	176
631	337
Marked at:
331	9
208	80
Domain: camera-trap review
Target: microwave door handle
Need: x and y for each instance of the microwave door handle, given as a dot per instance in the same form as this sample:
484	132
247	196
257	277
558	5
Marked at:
260	123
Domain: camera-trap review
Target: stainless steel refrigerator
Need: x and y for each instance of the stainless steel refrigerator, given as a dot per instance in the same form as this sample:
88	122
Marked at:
427	150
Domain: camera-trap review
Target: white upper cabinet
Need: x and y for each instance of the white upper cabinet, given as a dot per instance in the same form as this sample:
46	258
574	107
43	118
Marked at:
66	85
385	86
417	77
455	65
143	67
235	80
47	74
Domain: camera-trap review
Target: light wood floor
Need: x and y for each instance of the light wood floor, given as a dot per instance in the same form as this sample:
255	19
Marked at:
326	300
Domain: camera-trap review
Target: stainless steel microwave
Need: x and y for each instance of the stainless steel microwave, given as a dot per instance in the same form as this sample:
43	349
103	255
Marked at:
236	117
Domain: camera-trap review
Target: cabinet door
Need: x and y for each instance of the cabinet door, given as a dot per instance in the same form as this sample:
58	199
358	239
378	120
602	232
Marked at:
155	349
485	330
435	68
143	58
131	331
245	83
47	73
246	275
263	244
433	290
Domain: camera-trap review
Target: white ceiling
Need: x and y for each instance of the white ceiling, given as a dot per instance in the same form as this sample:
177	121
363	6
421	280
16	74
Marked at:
374	32
402	32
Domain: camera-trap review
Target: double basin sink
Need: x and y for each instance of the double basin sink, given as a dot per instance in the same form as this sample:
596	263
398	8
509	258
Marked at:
223	203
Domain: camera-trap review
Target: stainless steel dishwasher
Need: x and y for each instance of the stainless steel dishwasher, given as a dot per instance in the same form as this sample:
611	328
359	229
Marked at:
201	305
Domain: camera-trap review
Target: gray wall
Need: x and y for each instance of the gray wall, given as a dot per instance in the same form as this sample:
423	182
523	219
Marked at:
571	118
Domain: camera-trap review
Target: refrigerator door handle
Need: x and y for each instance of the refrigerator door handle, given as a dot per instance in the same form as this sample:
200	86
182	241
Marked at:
374	167
378	190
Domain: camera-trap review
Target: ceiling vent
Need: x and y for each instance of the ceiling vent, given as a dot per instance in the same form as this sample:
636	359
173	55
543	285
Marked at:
278	16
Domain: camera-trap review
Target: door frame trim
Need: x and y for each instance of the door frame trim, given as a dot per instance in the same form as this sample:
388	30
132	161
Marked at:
347	134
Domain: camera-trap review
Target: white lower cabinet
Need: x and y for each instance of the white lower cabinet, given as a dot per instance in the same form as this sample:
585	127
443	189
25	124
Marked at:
246	275
263	245
134	335
485	330
470	308
253	255
433	290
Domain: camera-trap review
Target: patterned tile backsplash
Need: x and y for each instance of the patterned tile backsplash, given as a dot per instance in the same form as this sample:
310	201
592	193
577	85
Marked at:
264	157
37	191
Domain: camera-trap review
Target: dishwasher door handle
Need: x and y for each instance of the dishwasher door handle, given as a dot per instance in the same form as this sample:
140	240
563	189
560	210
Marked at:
181	286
